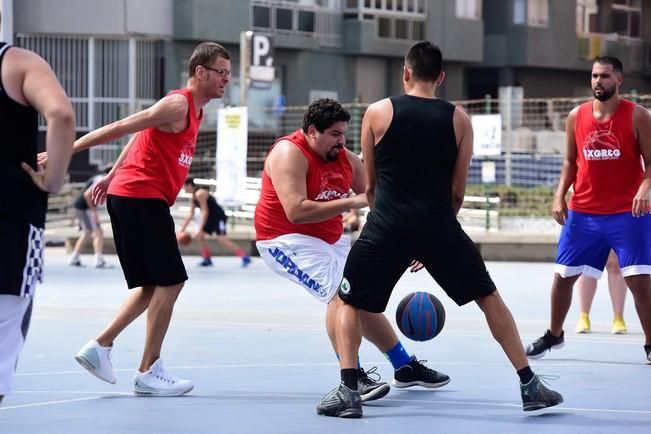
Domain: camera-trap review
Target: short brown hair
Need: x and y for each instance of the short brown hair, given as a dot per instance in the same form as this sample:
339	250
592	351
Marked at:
206	52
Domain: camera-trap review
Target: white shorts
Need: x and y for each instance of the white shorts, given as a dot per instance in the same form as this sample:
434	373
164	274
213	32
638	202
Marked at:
308	261
15	314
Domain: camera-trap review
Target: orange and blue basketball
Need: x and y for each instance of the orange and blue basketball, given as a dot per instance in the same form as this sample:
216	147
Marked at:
420	316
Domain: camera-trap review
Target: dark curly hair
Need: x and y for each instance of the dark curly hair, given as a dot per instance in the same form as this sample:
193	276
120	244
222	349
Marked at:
323	113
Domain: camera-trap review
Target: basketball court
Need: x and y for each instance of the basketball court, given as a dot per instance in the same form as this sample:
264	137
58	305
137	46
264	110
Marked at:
257	351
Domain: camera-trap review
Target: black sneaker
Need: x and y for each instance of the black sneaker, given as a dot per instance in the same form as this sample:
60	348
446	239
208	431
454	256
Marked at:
647	348
548	341
535	396
341	402
417	374
371	388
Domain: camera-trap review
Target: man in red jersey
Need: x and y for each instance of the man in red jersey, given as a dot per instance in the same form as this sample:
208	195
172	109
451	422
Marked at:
607	161
143	184
306	182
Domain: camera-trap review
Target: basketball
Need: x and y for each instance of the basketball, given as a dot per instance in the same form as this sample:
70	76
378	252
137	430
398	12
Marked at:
420	316
183	238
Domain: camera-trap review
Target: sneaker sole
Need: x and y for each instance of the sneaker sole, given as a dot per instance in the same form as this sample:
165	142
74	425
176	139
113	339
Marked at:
538	407
153	393
377	393
582	331
401	385
87	365
349	413
541	355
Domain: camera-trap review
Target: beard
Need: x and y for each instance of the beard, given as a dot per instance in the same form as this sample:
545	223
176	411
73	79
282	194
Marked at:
605	94
333	154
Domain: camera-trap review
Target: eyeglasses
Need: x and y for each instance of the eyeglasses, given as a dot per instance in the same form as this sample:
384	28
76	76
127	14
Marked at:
222	72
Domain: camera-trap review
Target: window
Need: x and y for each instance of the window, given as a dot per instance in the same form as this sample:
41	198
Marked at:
586	16
418	31
401	29
469	9
626	18
538	12
284	19
306	21
351	4
261	16
410	5
384	27
531	12
519	10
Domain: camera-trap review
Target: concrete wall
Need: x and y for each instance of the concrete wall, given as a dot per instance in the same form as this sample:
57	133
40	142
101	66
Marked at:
94	17
210	20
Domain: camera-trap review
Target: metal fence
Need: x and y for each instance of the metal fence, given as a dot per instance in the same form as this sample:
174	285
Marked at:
527	170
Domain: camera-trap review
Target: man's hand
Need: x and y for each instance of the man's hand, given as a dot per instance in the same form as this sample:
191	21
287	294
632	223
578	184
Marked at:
41	159
38	176
100	190
559	210
641	199
415	266
359	201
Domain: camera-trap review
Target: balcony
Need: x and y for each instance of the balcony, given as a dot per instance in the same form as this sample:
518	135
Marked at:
629	50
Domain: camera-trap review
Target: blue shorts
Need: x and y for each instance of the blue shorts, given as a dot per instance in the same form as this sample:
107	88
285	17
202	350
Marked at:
586	240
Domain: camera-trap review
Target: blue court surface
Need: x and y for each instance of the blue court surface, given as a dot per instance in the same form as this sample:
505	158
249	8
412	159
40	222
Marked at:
256	348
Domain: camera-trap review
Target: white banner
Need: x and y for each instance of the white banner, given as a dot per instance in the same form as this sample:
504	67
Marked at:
487	134
232	137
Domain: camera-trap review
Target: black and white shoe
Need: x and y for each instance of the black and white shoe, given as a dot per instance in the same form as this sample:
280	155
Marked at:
371	388
546	342
417	374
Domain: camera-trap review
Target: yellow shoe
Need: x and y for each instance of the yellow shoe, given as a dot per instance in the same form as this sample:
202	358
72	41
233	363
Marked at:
583	324
619	326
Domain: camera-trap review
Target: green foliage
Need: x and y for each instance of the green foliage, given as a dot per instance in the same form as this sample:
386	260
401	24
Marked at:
516	201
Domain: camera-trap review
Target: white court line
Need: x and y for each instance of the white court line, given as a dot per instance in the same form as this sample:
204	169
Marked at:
46	403
547	363
316	396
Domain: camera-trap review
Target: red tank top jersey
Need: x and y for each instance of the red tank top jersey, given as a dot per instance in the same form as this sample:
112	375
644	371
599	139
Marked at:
158	162
609	163
325	181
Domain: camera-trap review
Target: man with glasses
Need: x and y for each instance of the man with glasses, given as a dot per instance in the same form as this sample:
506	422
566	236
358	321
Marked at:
143	184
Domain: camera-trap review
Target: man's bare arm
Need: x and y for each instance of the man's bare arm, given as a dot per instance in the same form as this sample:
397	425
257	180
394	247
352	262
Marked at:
287	168
169	110
42	91
568	171
642	125
464	135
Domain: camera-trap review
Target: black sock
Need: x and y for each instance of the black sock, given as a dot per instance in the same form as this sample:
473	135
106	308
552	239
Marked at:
349	378
525	374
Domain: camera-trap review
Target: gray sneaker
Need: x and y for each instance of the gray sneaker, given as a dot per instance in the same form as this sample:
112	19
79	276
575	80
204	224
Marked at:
341	402
371	388
535	396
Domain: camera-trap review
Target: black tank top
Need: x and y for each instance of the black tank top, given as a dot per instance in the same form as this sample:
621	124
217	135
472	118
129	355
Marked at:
414	162
21	199
215	212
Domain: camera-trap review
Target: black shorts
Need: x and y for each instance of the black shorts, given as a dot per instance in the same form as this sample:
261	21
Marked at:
375	264
21	256
145	240
214	226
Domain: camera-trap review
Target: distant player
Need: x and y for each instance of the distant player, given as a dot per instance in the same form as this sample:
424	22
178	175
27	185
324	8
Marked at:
213	221
608	162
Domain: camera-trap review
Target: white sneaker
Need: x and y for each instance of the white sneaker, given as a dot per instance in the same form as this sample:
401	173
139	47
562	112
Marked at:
96	359
157	381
